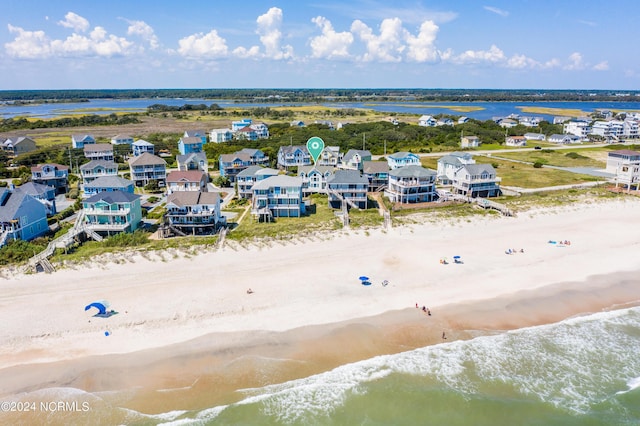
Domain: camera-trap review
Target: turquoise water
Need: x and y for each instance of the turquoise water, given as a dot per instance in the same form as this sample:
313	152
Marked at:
582	371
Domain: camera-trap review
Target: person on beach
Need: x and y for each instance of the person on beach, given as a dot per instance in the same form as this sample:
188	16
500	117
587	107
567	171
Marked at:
444	336
249	291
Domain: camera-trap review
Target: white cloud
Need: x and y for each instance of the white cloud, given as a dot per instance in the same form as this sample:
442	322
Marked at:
330	44
244	53
386	47
99	43
588	23
421	48
521	61
497	11
200	45
602	66
28	44
575	62
75	22
144	30
270	35
493	55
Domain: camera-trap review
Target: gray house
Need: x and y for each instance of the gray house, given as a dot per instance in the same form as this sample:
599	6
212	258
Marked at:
95	169
350	186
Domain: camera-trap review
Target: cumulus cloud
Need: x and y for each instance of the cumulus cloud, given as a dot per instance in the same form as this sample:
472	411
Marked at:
602	66
270	35
244	53
575	62
28	44
497	11
521	62
75	22
421	48
330	44
201	45
386	47
493	55
144	31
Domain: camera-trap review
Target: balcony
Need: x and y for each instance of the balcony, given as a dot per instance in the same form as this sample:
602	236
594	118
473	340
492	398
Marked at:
101	212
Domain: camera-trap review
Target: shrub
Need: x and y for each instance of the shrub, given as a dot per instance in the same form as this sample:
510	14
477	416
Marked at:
538	164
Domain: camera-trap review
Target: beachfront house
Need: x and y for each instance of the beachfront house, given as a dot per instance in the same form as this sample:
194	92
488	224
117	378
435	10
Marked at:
314	178
22	217
445	121
99	151
427	121
476	180
625	165
411	184
97	168
196	134
348	186
330	156
293	156
240	124
220	135
194	212
16	146
354	159
146	168
193	161
232	164
107	184
507	123
631	129
563	139
121	140
141	146
190	180
80	141
277	196
112	212
188	145
51	174
580	128
401	159
249	176
515	141
377	172
448	164
43	193
469	141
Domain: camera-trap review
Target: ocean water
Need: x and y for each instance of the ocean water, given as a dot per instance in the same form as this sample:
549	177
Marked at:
581	371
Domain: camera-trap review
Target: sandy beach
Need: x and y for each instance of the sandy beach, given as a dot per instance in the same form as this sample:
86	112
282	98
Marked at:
307	298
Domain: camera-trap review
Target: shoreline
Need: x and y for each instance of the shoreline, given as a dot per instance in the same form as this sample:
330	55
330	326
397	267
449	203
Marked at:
310	289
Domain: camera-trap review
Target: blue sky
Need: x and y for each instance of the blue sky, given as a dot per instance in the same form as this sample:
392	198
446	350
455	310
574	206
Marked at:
497	44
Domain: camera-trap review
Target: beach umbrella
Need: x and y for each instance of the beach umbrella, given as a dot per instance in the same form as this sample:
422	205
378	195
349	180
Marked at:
456	257
100	305
363	278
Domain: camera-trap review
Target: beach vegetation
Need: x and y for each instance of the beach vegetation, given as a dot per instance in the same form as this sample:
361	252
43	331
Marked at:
19	251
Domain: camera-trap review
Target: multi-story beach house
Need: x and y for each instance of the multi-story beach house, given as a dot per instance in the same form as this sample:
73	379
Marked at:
16	146
194	212
220	135
107	184
43	193
112	212
122	140
22	217
188	145
631	129
314	178
249	176
349	186
240	124
401	159
141	146
469	141
80	141
232	164
330	156
190	180
476	180
579	128
196	134
427	121
377	172
51	174
411	184
448	164
193	161
147	167
277	196
99	151
293	156
625	165
97	168
354	159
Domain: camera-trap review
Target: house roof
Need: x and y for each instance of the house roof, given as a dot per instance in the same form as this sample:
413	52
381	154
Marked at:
13	201
230	158
476	169
375	166
321	169
33	188
121	137
251	151
185	175
96	147
109	182
280	180
412	171
95	163
192	198
191	140
113	197
194	133
347	176
146	159
625	152
352	152
39	167
192	156
258	171
80	137
142	142
287	149
450	159
402	154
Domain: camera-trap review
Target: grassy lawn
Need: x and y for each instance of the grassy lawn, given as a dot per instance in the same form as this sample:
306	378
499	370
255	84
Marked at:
561	158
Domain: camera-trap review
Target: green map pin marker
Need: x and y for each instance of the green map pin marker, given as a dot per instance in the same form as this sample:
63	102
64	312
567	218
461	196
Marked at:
315	146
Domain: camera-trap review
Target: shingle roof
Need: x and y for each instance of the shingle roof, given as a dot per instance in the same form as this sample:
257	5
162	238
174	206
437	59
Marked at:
109	182
113	197
10	208
375	167
347	176
185	175
33	188
352	152
412	171
95	163
146	159
280	180
192	198
39	167
98	147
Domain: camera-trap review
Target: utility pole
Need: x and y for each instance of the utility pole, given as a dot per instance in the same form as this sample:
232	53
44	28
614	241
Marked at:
363	141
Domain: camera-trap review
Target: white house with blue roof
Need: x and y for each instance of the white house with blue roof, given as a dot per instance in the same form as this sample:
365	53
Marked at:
401	159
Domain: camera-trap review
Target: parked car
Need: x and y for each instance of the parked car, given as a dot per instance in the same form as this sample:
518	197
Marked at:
537	147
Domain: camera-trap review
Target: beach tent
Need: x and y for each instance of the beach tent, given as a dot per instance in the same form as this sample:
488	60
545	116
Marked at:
100	305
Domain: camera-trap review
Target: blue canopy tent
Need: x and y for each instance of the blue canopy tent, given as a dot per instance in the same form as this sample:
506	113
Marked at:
101	306
364	280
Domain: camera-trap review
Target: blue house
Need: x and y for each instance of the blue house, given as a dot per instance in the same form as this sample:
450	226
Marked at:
141	146
43	193
401	159
196	134
22	217
188	145
79	141
112	212
293	156
108	184
232	164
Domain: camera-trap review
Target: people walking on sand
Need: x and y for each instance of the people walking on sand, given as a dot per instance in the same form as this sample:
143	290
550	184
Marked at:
444	336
